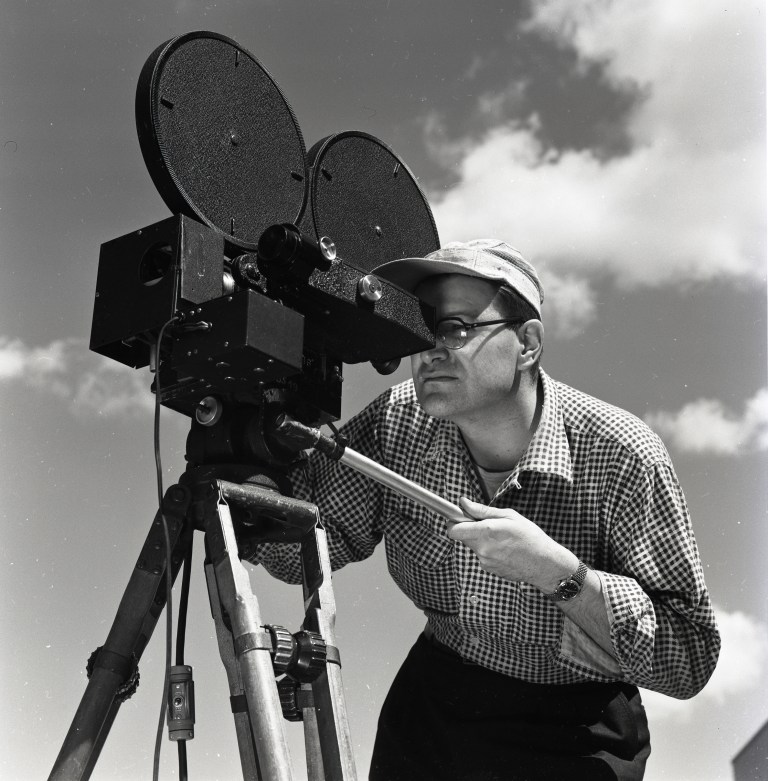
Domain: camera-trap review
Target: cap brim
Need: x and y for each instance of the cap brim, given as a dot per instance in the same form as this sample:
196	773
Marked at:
407	273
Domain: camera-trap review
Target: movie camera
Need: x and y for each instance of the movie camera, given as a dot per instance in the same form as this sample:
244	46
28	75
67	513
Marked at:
263	274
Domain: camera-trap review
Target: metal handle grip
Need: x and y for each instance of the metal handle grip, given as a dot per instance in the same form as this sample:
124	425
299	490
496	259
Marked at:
402	485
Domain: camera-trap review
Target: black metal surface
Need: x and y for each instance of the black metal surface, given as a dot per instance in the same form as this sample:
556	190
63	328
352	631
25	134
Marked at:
220	140
251	340
356	330
144	276
225	151
366	199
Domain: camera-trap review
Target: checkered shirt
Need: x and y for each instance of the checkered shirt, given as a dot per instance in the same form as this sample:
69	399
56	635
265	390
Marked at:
594	478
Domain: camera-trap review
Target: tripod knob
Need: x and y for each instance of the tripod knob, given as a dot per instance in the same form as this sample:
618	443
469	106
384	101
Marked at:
302	656
288	691
311	653
282	647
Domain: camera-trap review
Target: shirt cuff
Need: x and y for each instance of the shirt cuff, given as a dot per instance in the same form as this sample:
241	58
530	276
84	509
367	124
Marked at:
577	647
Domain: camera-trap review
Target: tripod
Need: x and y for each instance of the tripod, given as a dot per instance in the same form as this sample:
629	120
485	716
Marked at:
252	653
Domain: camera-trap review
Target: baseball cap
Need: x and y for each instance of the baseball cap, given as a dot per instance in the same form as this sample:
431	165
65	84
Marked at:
484	258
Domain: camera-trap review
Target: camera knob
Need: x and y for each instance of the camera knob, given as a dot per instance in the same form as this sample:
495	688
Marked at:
370	288
208	411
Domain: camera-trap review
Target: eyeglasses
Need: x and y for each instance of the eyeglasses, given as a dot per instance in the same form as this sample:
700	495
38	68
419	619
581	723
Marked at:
453	331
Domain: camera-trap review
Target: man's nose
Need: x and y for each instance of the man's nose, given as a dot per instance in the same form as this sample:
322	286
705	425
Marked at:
437	353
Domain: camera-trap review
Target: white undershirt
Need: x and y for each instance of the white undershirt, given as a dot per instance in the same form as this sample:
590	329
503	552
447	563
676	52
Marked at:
492	480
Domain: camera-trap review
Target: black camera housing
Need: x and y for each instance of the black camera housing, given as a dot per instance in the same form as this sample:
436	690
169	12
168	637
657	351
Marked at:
241	323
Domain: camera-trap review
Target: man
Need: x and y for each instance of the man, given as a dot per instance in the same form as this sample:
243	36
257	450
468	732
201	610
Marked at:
575	577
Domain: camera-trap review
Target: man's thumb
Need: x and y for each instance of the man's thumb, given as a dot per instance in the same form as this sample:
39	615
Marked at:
473	510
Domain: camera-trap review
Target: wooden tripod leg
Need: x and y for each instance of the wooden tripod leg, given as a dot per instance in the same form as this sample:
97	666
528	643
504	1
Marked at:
141	605
243	729
253	656
327	690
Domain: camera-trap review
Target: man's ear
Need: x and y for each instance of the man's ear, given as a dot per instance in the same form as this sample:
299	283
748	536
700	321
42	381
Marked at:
531	336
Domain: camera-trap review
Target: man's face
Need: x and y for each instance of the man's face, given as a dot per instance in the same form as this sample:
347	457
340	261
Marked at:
479	380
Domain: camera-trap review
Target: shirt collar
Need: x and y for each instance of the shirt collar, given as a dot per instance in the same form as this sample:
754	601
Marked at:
549	450
447	438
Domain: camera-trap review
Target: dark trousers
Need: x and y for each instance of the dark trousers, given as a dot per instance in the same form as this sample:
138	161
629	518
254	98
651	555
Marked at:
445	719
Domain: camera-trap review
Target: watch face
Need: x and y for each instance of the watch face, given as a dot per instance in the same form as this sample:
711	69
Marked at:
568	589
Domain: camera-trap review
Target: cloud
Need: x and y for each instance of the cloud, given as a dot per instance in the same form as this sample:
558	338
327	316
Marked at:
705	426
685	204
573	302
742	667
66	370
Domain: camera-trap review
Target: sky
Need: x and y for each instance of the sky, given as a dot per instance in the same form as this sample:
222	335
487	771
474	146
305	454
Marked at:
619	145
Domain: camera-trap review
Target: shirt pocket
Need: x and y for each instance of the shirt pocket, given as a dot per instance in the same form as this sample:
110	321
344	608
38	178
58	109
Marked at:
422	563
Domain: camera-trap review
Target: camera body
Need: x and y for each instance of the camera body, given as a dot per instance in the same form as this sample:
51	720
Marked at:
261	280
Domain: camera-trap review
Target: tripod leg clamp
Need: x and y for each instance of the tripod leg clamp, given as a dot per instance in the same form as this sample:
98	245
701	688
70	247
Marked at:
253	641
332	655
127	669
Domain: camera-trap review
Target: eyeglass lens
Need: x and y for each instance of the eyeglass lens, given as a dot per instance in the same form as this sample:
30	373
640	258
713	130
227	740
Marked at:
452	333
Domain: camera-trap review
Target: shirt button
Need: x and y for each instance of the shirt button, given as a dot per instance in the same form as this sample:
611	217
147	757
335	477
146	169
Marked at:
474	599
474	640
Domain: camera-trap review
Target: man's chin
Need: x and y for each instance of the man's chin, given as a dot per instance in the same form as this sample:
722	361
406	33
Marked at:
436	406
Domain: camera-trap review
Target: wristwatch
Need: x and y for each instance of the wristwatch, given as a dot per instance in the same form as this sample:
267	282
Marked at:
570	587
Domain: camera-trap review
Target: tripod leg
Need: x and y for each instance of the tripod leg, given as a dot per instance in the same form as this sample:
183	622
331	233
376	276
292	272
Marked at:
327	690
254	659
140	607
243	730
314	749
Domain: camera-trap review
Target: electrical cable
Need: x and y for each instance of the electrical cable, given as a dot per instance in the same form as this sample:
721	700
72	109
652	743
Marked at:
181	636
167	537
181	625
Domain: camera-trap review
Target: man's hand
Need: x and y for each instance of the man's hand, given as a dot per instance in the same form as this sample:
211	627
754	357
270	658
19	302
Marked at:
514	548
509	545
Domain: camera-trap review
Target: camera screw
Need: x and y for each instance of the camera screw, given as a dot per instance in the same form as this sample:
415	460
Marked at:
327	248
208	411
370	288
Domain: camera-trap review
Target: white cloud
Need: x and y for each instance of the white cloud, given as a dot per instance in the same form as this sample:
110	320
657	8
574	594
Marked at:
573	301
66	370
741	668
686	203
705	426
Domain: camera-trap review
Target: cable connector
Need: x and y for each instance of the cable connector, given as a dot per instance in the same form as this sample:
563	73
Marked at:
181	703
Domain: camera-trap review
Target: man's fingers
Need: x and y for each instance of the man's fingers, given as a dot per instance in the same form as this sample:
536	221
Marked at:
464	531
473	510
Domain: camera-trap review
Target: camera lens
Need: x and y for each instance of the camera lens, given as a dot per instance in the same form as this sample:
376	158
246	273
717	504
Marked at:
278	243
155	264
